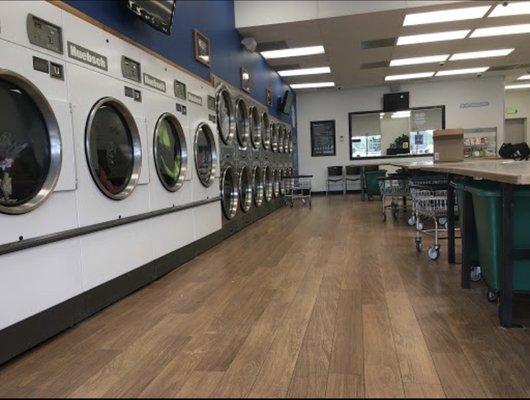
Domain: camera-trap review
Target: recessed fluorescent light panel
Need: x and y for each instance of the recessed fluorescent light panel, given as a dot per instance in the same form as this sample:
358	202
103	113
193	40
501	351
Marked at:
515	8
419	60
295	52
501	30
312	85
462	71
432	37
523	78
511	87
481	54
305	71
458	14
409	76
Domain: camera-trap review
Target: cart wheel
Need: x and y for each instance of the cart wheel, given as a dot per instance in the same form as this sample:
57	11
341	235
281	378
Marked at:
419	245
442	221
434	253
383	216
411	221
420	226
492	296
476	274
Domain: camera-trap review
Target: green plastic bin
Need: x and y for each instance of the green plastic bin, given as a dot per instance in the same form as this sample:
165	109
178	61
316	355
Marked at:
460	187
371	182
488	214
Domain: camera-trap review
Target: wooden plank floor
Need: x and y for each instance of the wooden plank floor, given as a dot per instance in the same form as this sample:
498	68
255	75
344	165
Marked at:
305	303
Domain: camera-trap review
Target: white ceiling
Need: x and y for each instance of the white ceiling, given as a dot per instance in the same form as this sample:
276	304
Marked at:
342	37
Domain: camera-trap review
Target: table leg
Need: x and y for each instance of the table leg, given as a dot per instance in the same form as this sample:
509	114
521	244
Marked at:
466	233
450	222
363	183
506	297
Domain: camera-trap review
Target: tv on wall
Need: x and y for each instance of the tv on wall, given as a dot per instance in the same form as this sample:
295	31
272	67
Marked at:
157	13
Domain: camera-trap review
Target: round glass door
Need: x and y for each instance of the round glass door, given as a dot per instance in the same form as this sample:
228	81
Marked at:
205	154
229	193
226	121
265	131
274	138
259	189
286	135
30	145
245	188
290	142
276	181
113	148
281	135
269	183
171	155
242	126
283	181
255	127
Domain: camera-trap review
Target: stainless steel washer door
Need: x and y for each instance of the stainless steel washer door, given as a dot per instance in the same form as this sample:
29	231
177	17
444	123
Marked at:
229	193
113	148
245	188
30	145
170	152
269	183
205	154
283	181
255	127
242	126
226	120
265	131
276	181
281	136
259	189
274	137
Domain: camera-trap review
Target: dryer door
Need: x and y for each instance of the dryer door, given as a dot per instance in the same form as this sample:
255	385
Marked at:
276	182
242	126
265	131
274	137
30	145
259	189
170	152
225	115
113	148
245	188
229	193
205	154
269	183
255	127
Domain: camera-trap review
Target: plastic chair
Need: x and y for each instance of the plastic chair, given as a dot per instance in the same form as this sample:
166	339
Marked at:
336	175
353	174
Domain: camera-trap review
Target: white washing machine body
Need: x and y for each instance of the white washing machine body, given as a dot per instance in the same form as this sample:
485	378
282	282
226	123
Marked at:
206	169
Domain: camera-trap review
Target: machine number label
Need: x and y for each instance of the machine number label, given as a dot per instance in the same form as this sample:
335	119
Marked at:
87	56
155	83
194	98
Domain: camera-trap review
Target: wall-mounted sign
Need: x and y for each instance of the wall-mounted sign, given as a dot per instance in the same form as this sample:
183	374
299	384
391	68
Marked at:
195	98
202	48
155	83
87	56
268	96
323	138
211	103
245	80
180	89
476	104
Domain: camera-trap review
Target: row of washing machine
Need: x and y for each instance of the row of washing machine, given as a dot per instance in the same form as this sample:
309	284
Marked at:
255	157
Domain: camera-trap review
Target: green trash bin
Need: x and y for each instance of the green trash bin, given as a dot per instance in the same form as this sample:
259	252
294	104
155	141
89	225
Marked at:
460	187
371	182
488	214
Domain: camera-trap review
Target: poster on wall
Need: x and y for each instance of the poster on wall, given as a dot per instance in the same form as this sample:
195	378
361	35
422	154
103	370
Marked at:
202	48
322	138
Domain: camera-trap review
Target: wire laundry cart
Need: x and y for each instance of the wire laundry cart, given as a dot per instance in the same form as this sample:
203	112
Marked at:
298	187
429	202
396	188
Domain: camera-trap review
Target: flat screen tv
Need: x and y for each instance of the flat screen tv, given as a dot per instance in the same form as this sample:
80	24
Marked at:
286	102
396	101
157	13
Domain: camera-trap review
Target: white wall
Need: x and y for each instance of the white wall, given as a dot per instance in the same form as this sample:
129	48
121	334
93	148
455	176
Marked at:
520	99
335	105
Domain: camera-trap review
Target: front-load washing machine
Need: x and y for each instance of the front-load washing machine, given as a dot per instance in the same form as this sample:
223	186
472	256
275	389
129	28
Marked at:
229	189
242	128
274	137
37	167
268	183
245	190
276	182
226	123
205	177
258	184
255	127
281	137
265	131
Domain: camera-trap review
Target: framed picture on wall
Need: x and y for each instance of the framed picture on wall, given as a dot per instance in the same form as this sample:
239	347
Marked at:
202	48
323	138
245	80
268	96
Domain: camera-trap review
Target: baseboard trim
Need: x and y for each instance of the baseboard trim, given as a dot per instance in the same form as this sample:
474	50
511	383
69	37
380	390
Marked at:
32	331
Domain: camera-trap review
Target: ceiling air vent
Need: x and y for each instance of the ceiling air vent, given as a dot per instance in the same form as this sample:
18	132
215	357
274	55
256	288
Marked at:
267	46
374	65
378	43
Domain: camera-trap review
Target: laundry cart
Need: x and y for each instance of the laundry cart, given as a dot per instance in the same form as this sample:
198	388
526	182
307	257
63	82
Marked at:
429	202
396	188
298	187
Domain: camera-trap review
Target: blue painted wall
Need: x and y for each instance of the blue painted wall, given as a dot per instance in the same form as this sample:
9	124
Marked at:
216	20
